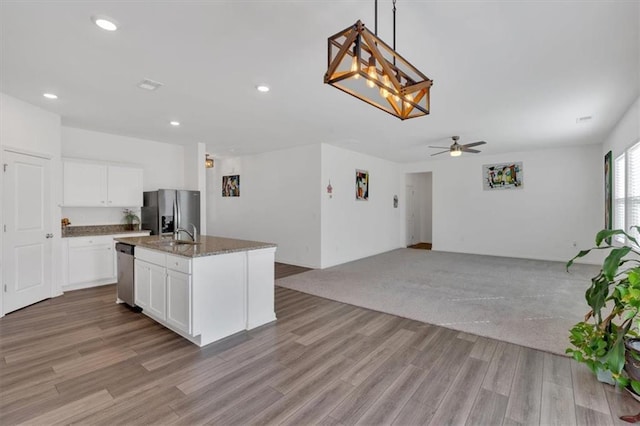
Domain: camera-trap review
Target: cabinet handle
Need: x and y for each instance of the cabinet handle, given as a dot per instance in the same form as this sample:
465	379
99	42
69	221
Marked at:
49	236
102	202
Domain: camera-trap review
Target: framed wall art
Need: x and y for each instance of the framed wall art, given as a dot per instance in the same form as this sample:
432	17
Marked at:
362	185
231	186
502	176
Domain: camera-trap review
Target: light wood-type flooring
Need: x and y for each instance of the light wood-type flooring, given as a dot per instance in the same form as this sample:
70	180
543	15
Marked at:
81	358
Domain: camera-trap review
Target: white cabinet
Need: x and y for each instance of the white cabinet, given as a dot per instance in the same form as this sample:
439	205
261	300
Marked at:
85	184
206	298
179	300
124	186
163	288
91	259
142	280
151	288
91	184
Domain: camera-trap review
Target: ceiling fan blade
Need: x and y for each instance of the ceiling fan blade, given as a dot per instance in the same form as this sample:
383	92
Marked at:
441	147
469	145
475	151
438	153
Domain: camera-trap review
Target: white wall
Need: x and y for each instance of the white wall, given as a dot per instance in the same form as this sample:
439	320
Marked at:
279	202
560	203
353	229
163	165
625	133
28	128
195	178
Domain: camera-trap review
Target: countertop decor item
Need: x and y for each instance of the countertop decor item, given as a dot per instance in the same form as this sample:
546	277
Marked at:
131	219
359	61
613	297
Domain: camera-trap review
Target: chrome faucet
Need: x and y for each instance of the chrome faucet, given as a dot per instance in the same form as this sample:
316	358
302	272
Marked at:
194	235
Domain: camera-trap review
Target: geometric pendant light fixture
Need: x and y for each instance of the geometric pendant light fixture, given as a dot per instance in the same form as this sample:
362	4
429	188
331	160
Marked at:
364	66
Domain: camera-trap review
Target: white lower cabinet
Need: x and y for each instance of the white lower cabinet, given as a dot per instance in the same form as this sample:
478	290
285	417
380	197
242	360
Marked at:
162	292
151	288
206	298
91	259
179	300
142	280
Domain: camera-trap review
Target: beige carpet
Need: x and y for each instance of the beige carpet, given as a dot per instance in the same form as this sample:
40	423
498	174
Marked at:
528	302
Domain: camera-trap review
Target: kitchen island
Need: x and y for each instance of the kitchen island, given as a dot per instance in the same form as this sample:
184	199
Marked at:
206	290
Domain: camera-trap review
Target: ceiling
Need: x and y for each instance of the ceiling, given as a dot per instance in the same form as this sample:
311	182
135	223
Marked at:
516	74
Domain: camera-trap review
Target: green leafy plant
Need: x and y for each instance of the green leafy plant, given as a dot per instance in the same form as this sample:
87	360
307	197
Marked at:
614	299
130	218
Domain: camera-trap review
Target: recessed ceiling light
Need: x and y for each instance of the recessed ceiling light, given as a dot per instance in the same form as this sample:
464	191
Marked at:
105	23
174	123
50	96
263	88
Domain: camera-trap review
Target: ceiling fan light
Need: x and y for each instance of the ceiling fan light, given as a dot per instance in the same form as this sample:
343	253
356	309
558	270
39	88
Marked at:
455	153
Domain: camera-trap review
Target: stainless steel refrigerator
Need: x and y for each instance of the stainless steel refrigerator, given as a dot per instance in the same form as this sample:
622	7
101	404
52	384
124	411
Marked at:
167	210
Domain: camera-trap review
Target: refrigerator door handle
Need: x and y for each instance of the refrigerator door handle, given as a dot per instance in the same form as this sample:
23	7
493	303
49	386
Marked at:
176	212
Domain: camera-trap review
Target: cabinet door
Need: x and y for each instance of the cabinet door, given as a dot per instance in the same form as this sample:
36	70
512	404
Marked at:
157	292
179	300
142	283
91	261
124	187
84	184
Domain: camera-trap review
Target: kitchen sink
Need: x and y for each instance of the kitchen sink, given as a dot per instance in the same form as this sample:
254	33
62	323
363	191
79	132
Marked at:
173	243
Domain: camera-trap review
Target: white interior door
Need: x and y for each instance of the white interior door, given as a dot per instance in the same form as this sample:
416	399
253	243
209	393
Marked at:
27	245
413	215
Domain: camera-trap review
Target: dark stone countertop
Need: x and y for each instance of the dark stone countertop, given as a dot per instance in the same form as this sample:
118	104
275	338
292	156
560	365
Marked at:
95	230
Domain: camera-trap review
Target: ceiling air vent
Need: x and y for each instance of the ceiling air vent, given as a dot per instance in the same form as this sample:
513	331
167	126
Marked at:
583	119
147	84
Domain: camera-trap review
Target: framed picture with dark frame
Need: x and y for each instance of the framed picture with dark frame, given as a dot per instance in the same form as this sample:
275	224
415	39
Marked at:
608	193
231	186
362	185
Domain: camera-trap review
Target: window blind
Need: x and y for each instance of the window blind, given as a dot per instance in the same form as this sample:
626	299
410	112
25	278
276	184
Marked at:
619	193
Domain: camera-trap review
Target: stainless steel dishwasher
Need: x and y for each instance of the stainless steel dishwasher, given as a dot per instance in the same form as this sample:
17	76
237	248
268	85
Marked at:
125	274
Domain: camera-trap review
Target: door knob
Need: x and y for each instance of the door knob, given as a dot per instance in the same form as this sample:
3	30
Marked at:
49	235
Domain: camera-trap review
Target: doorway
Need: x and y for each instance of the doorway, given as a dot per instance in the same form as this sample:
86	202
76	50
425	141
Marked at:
27	243
419	194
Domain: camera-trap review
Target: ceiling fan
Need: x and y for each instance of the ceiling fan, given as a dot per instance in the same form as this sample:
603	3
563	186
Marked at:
456	150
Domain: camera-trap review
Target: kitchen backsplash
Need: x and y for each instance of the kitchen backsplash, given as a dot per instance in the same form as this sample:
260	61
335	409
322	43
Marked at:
87	216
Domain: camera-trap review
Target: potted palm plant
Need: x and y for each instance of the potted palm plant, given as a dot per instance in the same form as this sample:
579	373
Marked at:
608	335
131	219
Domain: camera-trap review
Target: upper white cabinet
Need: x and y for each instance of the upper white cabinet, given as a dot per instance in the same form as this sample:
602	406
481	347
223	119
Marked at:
124	186
91	184
85	184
